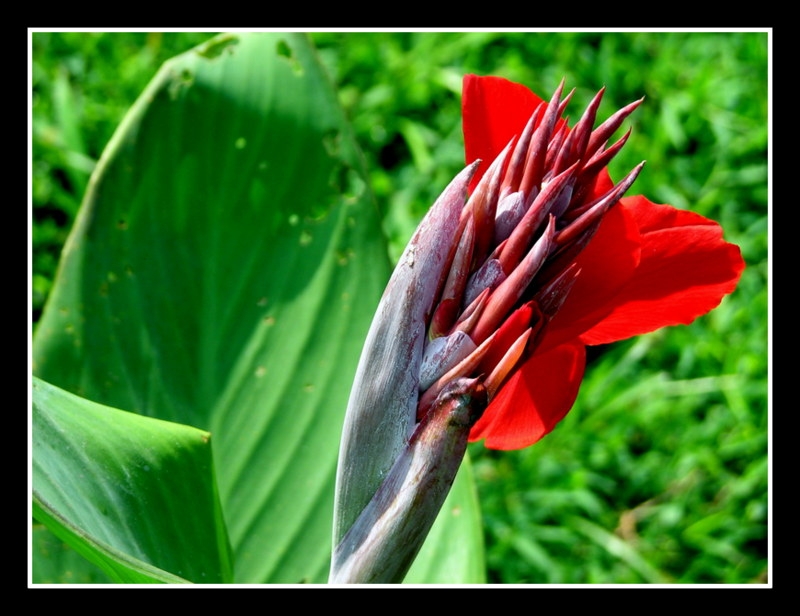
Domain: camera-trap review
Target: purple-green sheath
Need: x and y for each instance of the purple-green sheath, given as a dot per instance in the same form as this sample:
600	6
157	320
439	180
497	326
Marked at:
381	545
381	412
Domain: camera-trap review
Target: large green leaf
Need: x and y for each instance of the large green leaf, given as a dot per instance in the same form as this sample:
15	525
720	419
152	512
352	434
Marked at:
222	274
131	493
54	562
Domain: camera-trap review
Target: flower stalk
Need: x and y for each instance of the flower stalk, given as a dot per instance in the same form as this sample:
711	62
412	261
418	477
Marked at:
385	538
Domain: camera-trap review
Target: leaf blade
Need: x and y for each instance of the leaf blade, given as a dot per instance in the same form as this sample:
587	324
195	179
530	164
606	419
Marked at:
126	491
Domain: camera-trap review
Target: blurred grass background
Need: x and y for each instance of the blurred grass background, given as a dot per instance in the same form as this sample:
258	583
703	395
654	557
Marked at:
660	472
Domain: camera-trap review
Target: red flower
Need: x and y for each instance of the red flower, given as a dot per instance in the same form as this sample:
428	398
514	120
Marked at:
634	267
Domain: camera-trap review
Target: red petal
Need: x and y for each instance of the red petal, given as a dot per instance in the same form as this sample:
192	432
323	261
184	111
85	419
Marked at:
601	186
534	399
685	270
607	265
493	110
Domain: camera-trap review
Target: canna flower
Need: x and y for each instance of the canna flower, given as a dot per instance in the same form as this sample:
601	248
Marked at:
530	254
615	266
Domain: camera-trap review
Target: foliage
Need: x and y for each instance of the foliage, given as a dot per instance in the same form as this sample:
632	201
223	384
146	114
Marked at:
660	473
220	275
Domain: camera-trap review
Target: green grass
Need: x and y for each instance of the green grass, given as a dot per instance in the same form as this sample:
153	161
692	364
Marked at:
660	473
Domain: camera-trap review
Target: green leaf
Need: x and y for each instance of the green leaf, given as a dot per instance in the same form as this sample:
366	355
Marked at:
222	273
130	493
54	562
